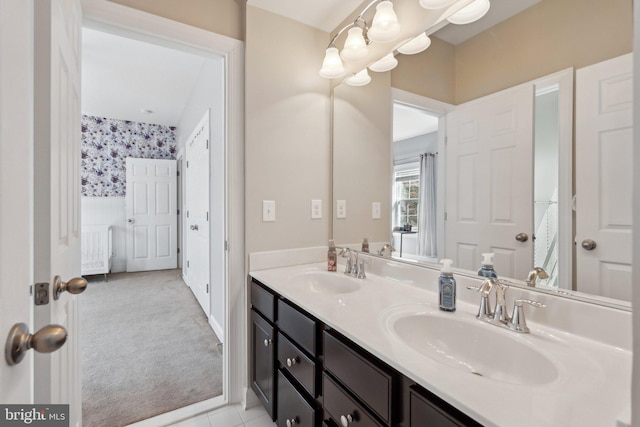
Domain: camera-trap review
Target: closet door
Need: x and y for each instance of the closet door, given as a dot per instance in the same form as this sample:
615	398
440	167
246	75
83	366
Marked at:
604	144
489	182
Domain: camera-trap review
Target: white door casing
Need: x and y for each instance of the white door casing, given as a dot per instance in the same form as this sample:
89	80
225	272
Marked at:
197	233
152	215
16	190
57	29
489	181
604	174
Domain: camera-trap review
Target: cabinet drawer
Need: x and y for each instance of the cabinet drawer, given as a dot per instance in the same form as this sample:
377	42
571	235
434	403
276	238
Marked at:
293	406
302	367
339	404
371	383
428	409
299	327
263	301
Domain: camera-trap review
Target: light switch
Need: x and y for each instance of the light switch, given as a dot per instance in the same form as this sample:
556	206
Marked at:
268	210
316	209
375	210
341	208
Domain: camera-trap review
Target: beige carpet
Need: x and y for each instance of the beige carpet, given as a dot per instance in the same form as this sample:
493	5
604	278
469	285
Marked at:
146	348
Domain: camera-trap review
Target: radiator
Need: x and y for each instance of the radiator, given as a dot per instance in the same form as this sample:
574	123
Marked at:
97	249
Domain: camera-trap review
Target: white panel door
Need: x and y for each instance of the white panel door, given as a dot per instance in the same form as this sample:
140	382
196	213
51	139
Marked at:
197	215
489	182
604	146
57	27
16	187
152	215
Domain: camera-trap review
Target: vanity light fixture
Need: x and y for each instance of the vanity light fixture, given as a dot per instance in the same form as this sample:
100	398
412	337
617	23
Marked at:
386	63
385	26
415	45
332	66
361	78
470	13
355	47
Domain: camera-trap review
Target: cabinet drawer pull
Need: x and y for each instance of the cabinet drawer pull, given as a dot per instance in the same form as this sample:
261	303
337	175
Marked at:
291	422
291	361
268	342
345	420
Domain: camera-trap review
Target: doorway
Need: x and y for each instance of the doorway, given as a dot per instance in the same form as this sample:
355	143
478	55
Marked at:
156	114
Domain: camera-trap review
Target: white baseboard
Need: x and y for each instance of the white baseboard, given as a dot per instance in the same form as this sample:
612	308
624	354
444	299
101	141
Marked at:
216	328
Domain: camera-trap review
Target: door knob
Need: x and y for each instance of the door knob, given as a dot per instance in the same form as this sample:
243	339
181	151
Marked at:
267	342
588	244
345	420
131	220
48	339
522	237
77	285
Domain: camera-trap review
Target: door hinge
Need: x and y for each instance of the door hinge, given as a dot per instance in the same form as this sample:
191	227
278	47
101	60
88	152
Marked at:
178	172
178	211
207	144
41	293
187	163
207	288
445	216
187	263
187	214
446	139
178	250
226	245
207	216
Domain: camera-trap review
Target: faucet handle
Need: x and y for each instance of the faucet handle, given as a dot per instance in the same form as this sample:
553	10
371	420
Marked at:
360	271
518	322
500	314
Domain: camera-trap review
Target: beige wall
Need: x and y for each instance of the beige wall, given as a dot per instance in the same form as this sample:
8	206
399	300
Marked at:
224	17
548	37
287	132
362	159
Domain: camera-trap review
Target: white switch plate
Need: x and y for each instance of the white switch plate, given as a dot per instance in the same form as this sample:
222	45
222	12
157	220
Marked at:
316	209
341	208
268	210
375	210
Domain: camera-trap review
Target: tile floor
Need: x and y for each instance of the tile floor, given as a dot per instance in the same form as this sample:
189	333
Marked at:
230	416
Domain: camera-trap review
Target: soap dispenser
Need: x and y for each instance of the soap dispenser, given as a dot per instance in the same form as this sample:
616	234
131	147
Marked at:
332	257
447	287
365	245
486	270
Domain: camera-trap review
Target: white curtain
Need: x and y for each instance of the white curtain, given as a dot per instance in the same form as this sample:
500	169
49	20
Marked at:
427	236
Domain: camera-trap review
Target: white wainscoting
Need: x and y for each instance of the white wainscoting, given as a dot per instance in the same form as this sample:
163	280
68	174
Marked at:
109	210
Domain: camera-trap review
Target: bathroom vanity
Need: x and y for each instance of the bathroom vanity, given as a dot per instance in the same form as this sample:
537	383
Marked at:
330	349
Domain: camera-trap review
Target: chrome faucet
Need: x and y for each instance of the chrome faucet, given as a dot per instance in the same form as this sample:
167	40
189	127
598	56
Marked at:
351	257
500	317
386	247
537	272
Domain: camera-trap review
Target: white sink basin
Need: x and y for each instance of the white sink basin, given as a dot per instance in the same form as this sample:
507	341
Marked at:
468	344
325	282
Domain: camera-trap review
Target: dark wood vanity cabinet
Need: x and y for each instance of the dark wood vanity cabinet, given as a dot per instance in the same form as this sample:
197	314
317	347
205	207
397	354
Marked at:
307	375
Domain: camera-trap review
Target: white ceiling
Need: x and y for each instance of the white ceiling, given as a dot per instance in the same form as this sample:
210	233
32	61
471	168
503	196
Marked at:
410	121
121	77
325	15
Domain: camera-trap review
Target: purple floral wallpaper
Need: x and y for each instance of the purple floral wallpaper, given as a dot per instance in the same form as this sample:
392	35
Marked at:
106	143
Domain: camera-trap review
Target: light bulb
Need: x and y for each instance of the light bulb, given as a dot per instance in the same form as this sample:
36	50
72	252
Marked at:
386	63
470	13
361	78
355	48
416	45
385	26
436	4
332	65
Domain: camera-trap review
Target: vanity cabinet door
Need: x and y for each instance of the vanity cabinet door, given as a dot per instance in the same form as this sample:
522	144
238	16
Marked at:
263	343
427	410
293	408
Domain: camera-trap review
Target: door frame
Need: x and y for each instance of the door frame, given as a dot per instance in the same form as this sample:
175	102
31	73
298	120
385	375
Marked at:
110	17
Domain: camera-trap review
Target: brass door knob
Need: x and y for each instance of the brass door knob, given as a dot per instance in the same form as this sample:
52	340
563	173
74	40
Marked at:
522	237
588	244
77	285
48	339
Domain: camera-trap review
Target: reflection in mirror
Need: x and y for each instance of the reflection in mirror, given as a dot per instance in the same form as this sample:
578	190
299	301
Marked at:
502	171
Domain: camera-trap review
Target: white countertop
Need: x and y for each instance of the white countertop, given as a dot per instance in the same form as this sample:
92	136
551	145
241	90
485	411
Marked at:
592	388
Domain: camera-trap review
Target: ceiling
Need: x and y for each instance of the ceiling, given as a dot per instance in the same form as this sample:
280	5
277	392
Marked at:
122	77
411	121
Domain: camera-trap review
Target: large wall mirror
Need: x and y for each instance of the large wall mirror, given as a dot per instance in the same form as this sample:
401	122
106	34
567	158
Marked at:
511	137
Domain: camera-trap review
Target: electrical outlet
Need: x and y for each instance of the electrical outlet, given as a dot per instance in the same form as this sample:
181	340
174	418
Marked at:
316	209
376	211
341	208
268	210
